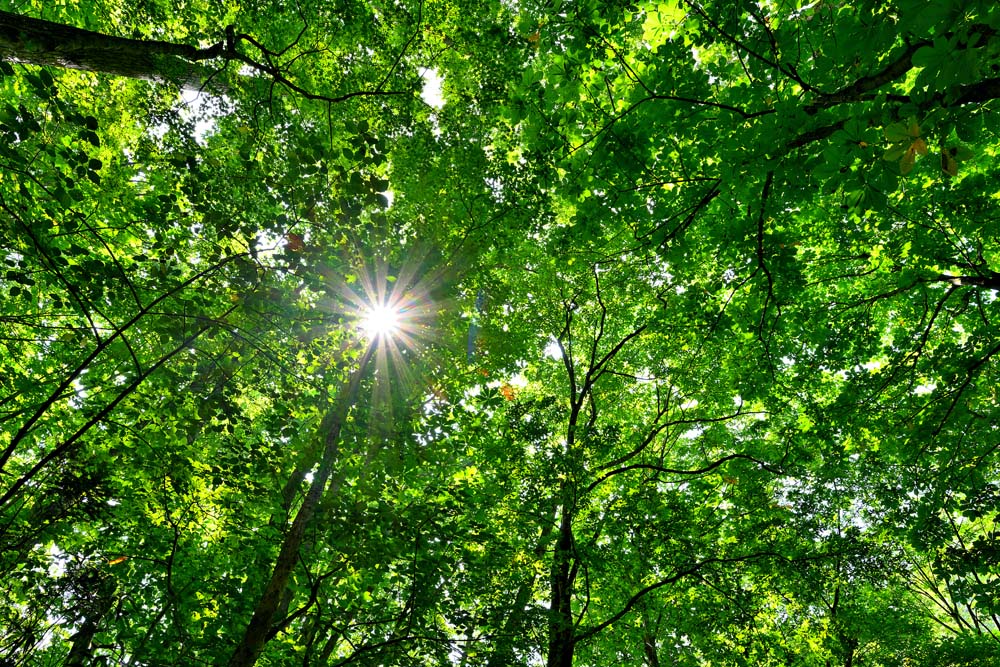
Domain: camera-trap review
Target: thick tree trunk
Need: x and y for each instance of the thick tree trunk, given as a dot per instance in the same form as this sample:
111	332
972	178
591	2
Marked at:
257	631
37	42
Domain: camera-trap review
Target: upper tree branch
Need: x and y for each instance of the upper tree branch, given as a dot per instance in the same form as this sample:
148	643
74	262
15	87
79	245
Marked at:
681	471
894	70
37	42
854	92
278	75
787	71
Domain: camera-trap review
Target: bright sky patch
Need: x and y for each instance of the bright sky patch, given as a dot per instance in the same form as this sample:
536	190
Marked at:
380	321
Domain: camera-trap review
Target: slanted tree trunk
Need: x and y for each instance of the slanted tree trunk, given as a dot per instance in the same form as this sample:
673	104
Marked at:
81	651
36	42
264	614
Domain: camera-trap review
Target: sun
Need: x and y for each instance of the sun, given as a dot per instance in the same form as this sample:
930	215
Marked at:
380	321
390	309
386	317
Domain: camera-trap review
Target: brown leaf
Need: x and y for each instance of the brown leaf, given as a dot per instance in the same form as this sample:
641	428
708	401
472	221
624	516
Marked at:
948	164
906	164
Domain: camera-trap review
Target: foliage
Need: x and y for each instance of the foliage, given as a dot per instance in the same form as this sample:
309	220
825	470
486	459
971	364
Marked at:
697	363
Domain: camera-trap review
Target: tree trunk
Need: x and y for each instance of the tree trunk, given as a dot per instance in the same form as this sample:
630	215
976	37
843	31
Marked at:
561	640
36	42
81	652
257	631
503	654
649	631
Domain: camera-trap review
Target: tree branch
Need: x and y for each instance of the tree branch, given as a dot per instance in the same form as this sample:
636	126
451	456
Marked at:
677	576
63	447
678	471
83	365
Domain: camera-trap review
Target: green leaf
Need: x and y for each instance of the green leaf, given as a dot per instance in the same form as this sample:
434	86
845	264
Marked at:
902	131
664	314
895	152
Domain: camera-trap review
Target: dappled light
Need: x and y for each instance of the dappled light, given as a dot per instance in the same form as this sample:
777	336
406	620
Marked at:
491	334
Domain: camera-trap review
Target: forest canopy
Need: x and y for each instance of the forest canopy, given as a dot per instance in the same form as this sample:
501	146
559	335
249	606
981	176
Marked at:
499	333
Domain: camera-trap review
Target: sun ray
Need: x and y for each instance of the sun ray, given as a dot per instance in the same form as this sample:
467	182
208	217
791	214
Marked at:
397	311
394	308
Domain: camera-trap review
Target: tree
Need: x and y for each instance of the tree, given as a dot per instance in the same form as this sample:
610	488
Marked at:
697	352
38	42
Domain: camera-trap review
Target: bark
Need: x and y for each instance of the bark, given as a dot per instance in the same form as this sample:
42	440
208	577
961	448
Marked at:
851	646
37	42
561	639
989	281
82	650
258	629
649	640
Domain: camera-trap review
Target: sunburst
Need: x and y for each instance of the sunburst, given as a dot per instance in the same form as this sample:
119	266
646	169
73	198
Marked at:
393	313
